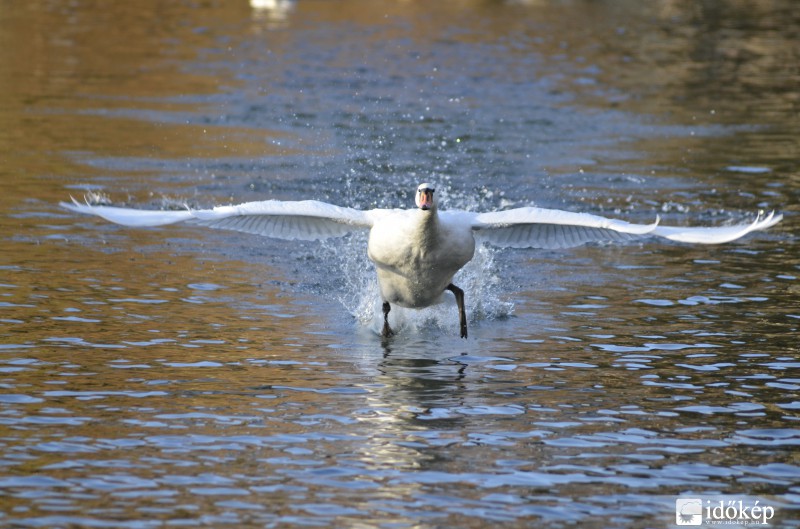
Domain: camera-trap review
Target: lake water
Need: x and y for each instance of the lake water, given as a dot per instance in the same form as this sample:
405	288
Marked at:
187	377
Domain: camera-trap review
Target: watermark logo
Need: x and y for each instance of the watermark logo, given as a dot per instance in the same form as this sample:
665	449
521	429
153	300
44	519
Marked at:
722	511
689	511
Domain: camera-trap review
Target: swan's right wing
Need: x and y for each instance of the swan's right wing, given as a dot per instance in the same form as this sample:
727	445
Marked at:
303	220
306	220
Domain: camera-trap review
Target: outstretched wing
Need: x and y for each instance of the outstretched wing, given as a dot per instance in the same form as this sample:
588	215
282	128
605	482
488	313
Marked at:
549	228
304	220
718	234
138	218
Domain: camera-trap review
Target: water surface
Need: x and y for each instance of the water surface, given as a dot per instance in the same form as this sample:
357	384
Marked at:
180	376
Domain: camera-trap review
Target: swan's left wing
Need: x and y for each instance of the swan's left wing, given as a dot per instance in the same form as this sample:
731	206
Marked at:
549	228
304	220
718	234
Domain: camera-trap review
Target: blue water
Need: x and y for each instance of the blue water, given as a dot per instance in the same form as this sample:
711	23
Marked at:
182	376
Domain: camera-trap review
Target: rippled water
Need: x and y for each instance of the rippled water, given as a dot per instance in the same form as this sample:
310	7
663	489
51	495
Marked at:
185	377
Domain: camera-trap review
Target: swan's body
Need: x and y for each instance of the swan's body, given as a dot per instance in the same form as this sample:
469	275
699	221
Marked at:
418	251
416	254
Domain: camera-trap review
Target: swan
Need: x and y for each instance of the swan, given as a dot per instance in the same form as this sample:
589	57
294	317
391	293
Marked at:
417	251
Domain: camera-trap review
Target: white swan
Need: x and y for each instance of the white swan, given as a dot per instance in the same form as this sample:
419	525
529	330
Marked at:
418	251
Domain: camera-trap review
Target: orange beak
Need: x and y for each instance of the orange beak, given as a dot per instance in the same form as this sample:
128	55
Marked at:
425	199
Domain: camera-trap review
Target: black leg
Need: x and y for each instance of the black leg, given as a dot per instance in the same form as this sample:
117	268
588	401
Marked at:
387	331
462	313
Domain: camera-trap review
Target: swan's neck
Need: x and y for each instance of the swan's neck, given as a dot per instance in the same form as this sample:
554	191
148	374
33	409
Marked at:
428	227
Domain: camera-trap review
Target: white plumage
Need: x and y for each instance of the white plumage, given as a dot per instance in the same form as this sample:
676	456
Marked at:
418	251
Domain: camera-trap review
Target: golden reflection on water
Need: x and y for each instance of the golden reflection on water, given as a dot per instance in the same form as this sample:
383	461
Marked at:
82	80
163	356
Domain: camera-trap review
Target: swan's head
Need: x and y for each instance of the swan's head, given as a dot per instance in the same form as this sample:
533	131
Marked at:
424	198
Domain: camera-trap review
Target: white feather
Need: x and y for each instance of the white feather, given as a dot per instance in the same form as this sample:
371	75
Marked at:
137	218
720	234
306	220
550	228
